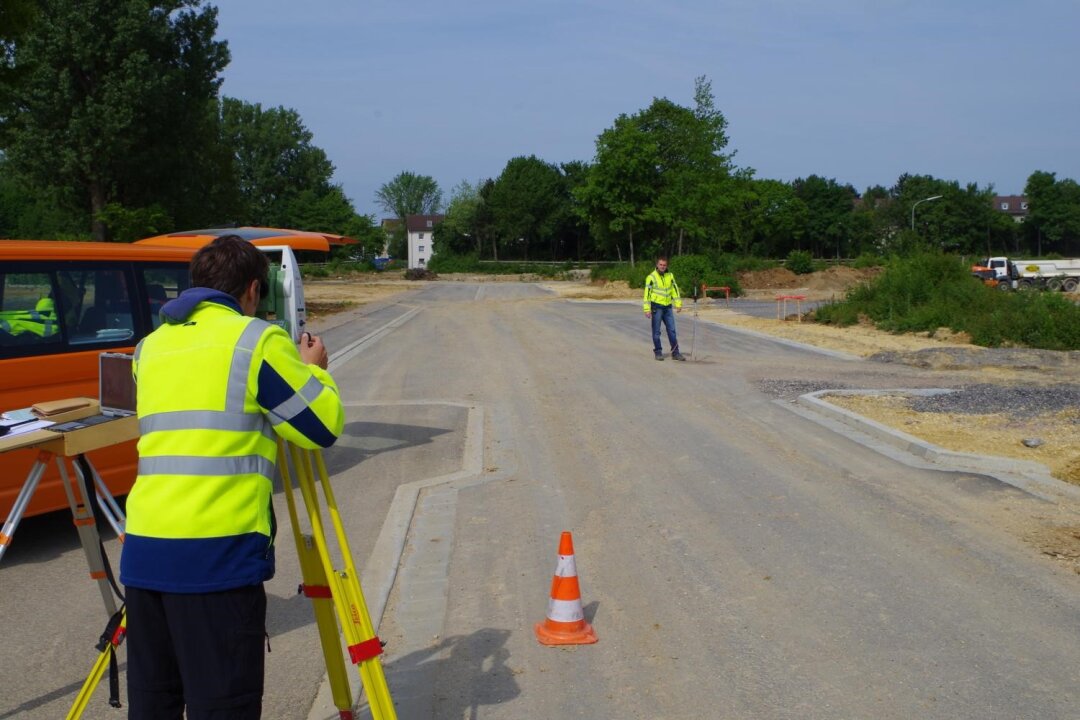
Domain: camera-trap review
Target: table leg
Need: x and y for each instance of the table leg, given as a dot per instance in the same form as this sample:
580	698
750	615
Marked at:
7	534
83	516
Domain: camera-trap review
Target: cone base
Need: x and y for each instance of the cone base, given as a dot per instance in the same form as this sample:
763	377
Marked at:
582	635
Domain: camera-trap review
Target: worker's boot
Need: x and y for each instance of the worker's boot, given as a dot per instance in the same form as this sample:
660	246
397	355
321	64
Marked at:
678	356
658	355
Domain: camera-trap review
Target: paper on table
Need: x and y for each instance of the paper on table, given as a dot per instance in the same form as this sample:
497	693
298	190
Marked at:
28	427
19	415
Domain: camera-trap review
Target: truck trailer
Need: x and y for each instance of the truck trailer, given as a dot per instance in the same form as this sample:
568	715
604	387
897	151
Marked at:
1056	275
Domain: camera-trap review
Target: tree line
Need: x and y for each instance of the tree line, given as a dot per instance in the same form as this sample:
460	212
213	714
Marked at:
662	182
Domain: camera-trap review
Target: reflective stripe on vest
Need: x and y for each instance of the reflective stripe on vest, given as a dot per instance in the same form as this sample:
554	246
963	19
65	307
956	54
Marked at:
298	402
213	466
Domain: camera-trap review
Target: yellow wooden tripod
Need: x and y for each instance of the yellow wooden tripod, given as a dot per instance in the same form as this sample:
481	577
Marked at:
338	589
332	591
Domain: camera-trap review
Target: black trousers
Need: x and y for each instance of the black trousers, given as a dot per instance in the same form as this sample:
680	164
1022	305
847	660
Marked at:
204	651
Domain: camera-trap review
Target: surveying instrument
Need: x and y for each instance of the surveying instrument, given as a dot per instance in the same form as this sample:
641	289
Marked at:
335	593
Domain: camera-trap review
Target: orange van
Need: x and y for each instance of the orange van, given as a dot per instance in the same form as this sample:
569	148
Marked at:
61	305
64	303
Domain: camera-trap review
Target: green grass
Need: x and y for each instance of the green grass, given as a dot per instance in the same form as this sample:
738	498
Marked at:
929	291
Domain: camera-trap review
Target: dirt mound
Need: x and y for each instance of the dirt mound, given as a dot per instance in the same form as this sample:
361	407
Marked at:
834	279
769	279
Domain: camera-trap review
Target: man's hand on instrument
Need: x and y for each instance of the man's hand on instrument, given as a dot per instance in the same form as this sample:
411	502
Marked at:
312	350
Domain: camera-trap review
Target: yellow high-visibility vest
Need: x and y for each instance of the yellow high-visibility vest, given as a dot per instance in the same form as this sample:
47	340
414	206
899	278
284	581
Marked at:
40	321
661	289
212	393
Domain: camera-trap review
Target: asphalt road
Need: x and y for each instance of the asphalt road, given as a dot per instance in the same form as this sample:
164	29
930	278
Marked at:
736	559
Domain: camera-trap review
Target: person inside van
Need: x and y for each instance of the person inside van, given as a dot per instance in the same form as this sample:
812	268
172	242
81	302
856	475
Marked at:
39	322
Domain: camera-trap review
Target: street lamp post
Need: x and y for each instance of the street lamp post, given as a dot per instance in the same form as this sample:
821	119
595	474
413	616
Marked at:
935	197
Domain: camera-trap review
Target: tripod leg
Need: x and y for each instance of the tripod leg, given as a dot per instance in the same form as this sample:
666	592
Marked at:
363	645
316	587
98	670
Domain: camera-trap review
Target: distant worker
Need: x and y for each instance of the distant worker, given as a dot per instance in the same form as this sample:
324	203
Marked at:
214	385
661	291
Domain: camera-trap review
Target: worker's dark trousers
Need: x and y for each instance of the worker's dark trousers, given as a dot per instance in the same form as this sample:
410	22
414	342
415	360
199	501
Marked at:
663	313
204	651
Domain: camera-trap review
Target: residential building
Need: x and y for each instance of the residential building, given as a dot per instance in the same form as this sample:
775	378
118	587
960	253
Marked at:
421	247
1015	206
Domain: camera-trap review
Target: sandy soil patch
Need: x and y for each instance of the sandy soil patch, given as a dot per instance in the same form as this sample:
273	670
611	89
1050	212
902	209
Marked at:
326	297
996	433
826	284
861	340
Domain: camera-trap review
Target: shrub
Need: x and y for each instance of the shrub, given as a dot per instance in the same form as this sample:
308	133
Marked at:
927	291
450	263
868	260
800	262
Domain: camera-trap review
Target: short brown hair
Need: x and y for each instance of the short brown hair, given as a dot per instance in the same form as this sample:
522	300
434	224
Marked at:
661	257
229	264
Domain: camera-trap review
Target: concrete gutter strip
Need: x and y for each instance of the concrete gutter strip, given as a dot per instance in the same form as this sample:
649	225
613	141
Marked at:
1031	477
380	571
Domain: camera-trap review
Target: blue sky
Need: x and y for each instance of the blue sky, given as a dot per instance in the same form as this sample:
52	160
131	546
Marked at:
856	90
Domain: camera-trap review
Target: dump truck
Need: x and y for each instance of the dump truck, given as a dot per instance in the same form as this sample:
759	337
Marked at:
1055	275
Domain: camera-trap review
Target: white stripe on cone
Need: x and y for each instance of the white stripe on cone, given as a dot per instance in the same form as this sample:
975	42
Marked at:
565	610
566	566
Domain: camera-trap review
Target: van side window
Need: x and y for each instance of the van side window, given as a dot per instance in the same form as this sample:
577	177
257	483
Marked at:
28	313
102	311
162	285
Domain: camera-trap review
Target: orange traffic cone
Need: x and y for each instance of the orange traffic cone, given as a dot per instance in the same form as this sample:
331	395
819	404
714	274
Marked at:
565	623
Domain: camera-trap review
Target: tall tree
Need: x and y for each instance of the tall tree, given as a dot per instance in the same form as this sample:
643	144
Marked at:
458	232
829	209
529	203
1054	211
622	184
410	194
278	169
661	171
116	100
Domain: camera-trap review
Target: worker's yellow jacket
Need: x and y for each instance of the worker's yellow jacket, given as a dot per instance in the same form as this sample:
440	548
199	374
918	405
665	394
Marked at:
662	290
213	389
40	321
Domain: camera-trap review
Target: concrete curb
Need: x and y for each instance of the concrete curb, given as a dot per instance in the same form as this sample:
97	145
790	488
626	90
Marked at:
380	571
1026	475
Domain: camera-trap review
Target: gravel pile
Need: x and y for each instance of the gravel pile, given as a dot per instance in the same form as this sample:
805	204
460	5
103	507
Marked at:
1016	400
791	389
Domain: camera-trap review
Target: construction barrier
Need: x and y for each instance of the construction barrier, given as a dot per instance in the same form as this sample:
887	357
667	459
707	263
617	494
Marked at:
783	300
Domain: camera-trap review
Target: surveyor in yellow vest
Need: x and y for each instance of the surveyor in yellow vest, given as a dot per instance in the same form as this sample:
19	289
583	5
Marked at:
215	386
41	321
661	292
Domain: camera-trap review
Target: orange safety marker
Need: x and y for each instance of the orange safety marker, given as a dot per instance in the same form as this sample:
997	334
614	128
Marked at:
565	623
